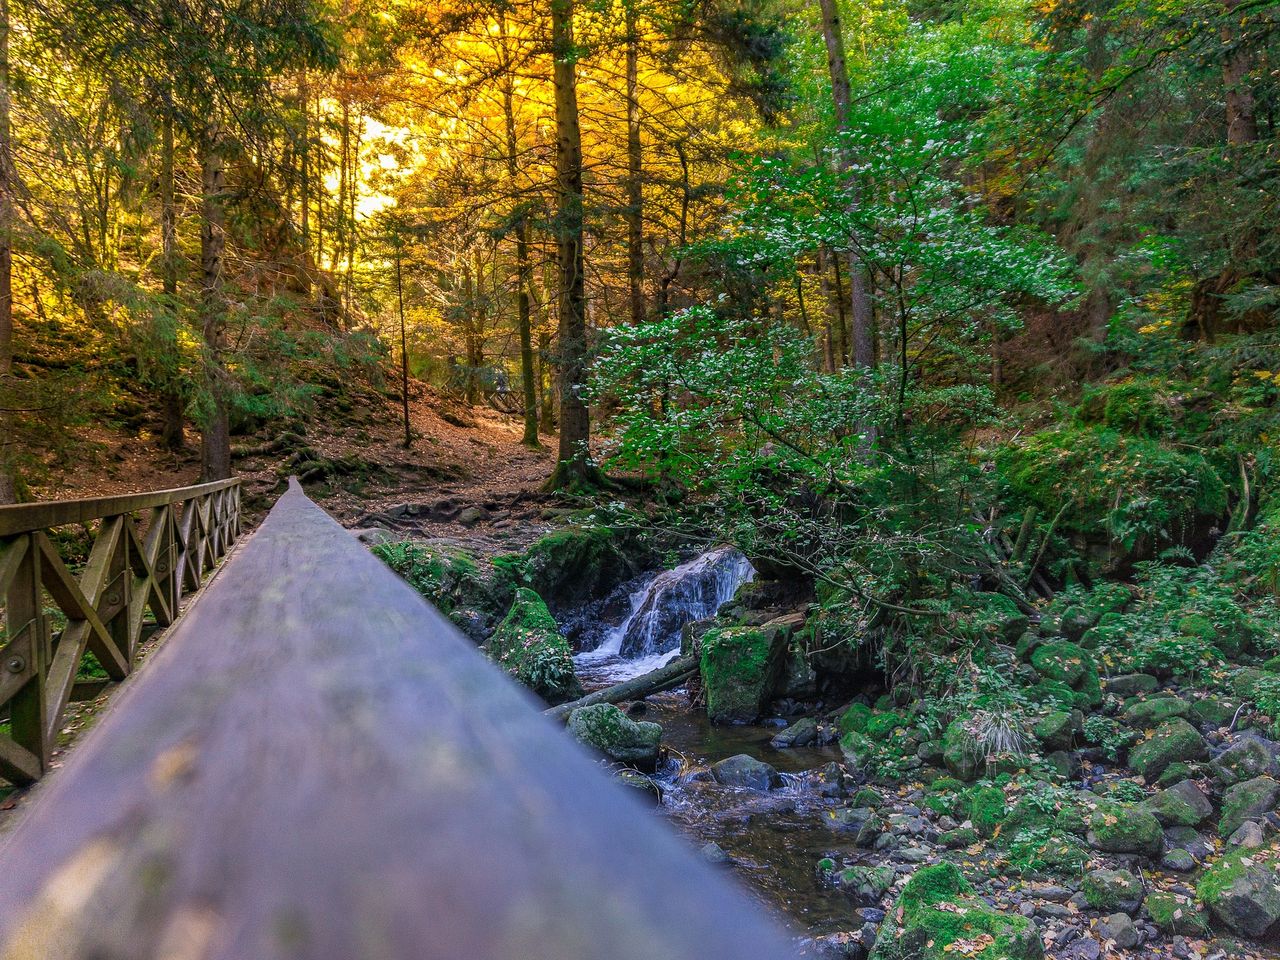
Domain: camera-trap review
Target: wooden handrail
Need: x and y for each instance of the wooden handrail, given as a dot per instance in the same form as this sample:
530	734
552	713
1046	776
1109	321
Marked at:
318	766
148	549
25	517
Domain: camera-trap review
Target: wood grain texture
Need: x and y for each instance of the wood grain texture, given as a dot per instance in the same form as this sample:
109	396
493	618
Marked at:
318	765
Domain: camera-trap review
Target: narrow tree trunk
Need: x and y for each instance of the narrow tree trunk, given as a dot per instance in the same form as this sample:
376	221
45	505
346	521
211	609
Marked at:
524	325
575	421
404	355
304	179
215	447
863	346
8	445
171	412
635	171
1242	123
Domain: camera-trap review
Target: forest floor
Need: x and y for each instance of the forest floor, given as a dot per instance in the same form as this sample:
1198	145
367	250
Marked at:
462	458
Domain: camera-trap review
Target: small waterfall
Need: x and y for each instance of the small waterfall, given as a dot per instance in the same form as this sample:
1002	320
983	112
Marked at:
650	634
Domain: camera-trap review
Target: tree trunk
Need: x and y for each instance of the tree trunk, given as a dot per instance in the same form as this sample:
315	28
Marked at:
1242	123
8	446
215	446
304	178
863	345
575	466
404	354
171	407
635	171
524	325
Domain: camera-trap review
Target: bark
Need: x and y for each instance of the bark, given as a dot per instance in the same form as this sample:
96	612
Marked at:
404	356
304	179
524	324
1242	123
8	445
635	171
171	406
215	446
664	678
862	333
574	466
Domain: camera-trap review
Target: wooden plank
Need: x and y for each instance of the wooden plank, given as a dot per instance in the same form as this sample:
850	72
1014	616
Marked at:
317	766
24	608
26	517
11	554
17	764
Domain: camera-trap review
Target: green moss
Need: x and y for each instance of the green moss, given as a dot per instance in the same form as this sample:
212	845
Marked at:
960	753
1140	489
1176	915
739	667
528	645
986	809
1174	740
1122	828
1249	800
1155	711
1062	661
855	719
882	725
1109	889
937	910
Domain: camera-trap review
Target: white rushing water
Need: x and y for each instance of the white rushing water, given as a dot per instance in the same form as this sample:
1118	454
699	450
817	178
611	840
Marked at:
650	635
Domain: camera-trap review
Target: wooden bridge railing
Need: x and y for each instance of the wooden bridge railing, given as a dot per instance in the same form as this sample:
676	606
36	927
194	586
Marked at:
316	765
147	550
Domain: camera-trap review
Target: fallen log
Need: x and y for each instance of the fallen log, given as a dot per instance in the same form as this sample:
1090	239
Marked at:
664	678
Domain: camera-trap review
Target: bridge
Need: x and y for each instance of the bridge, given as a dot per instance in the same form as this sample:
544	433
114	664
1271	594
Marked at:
314	765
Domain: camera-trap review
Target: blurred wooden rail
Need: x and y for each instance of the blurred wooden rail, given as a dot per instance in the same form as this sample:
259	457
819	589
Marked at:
148	549
317	766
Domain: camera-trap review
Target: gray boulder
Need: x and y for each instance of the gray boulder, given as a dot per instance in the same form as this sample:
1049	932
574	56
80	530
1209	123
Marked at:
1250	756
609	730
745	771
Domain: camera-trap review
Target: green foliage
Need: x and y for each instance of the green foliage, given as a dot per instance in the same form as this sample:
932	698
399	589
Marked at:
443	577
1142	492
1113	737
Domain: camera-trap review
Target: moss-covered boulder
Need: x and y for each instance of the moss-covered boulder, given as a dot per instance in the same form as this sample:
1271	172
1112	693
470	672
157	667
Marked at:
1250	756
1062	661
961	753
1250	800
1242	889
1112	890
610	731
1069	664
937	917
865	885
571	566
740	667
986	809
1176	915
1173	741
854	719
746	771
1155	711
1056	730
528	646
1181	805
1120	828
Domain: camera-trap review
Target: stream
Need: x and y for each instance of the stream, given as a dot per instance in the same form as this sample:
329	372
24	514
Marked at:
772	839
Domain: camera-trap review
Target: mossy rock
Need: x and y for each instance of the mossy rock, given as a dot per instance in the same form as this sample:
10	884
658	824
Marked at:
740	667
1155	711
1174	740
529	647
1242	889
609	730
866	885
1214	711
1062	661
1056	731
1250	800
986	809
1052	693
1244	682
1176	915
854	719
1112	890
571	567
1271	666
1123	828
1181	805
961	753
937	915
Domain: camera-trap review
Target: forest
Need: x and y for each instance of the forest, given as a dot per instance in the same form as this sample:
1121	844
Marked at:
858	420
